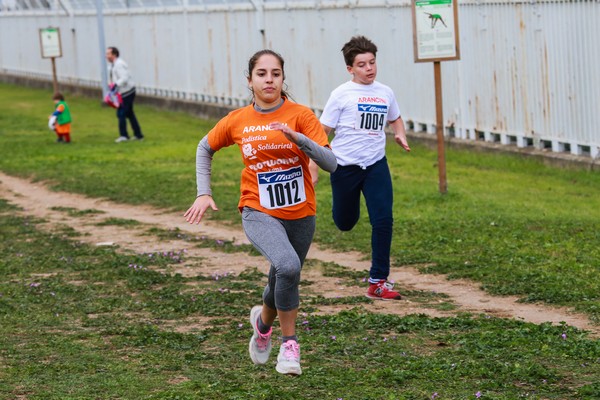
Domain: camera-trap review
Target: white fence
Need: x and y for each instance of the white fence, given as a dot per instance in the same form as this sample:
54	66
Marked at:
528	74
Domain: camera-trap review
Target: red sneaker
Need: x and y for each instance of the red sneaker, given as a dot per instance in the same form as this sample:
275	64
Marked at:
383	291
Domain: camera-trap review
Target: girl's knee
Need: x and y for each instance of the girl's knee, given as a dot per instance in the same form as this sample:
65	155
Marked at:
290	271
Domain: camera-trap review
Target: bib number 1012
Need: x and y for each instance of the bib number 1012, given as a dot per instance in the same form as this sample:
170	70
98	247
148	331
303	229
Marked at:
282	194
281	188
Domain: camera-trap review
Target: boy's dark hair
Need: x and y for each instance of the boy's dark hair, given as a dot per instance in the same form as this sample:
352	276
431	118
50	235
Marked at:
58	96
357	45
114	51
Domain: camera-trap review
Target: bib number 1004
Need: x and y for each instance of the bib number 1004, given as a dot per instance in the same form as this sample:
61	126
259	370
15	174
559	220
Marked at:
281	188
372	121
370	117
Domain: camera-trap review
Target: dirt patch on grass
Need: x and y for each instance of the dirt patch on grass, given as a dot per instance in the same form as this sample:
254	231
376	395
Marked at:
38	201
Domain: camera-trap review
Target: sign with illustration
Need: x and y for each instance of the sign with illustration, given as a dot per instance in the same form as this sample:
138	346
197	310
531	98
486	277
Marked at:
50	42
435	30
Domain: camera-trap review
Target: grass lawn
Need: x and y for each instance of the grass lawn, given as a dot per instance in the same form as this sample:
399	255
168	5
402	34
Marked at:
513	224
84	322
77	322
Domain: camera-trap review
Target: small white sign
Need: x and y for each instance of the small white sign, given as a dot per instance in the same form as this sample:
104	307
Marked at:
50	42
436	30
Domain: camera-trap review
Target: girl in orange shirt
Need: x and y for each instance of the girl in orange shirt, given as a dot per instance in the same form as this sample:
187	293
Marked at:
277	139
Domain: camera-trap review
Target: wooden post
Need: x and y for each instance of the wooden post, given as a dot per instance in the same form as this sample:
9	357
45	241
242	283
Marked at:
435	39
54	80
439	127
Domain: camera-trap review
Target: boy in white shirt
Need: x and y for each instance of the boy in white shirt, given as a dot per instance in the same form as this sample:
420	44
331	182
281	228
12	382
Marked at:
358	111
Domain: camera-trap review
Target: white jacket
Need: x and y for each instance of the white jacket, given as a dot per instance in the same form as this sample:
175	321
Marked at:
118	73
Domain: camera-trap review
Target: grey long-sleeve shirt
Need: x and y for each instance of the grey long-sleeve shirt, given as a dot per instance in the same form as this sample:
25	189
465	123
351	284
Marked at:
322	156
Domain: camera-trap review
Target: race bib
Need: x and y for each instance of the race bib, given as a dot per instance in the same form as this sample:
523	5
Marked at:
370	117
278	189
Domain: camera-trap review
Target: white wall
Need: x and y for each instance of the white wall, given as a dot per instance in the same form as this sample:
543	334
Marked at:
528	73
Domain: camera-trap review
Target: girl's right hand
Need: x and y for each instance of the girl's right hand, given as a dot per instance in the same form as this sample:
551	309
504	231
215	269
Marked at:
195	213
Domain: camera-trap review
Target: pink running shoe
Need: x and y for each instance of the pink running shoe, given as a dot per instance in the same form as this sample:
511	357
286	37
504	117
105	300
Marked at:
288	360
383	291
260	344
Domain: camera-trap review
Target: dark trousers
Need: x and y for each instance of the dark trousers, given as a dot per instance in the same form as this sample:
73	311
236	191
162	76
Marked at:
375	183
125	112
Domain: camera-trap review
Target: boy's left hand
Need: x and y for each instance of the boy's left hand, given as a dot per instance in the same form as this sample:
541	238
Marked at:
401	140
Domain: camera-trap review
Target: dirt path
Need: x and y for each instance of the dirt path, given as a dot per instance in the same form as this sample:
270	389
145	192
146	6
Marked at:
38	201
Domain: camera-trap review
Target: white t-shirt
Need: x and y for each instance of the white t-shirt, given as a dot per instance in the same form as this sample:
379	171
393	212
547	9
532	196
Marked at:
359	114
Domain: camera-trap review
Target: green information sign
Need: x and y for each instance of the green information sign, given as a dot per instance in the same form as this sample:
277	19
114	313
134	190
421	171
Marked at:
50	43
435	30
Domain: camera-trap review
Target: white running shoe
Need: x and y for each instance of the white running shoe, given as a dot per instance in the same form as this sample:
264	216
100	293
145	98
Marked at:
288	360
260	344
121	139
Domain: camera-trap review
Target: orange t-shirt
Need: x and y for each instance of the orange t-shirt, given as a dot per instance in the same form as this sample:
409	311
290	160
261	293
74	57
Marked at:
276	179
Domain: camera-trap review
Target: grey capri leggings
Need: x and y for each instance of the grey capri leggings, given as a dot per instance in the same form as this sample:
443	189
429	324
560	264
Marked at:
285	244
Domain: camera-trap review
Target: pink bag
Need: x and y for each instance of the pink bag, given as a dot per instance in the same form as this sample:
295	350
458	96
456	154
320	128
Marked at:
113	99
